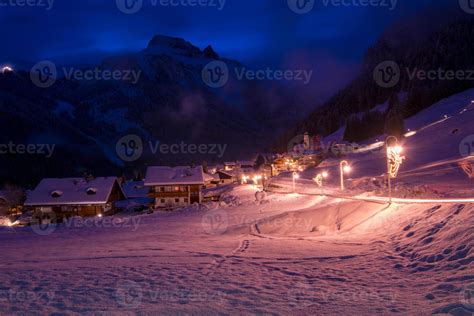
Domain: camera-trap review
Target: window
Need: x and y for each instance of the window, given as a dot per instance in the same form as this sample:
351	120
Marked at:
163	201
56	194
91	191
186	200
176	189
162	189
176	200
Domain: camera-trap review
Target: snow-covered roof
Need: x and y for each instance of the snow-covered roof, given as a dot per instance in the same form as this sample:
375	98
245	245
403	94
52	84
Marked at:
176	175
135	189
210	177
246	163
71	191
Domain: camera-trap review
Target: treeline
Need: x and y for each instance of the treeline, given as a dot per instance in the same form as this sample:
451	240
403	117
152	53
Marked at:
448	48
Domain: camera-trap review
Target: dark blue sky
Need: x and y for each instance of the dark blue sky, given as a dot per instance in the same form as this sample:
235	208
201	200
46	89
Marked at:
256	32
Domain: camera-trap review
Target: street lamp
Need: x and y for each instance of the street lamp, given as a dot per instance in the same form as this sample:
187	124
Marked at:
394	161
295	176
344	167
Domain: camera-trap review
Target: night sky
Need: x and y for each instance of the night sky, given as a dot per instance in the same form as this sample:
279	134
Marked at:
260	33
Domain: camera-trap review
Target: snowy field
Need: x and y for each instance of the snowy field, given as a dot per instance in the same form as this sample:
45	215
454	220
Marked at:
312	253
291	254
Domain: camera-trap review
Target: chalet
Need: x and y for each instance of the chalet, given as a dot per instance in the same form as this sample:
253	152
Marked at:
75	196
227	177
172	187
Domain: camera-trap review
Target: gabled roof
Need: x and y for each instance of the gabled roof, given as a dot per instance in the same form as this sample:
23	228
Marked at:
71	191
176	175
210	177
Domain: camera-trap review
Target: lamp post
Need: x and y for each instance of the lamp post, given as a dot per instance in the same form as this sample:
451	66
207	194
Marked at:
344	167
295	176
394	160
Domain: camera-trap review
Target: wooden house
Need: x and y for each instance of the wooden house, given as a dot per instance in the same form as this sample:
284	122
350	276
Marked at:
175	187
75	196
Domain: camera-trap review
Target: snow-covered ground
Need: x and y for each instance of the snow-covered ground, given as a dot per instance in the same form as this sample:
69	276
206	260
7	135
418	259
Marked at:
285	254
313	253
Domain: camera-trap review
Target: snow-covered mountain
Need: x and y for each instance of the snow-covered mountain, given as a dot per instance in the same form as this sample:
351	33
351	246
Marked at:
168	102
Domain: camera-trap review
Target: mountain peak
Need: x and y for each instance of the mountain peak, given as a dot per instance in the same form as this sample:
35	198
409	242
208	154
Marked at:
209	52
173	42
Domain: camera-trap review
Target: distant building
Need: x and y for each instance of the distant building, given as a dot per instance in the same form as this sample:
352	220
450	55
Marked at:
230	165
227	177
75	196
174	187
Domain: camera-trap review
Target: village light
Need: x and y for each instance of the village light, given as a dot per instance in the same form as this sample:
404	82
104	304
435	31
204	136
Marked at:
295	177
394	161
6	69
344	168
319	178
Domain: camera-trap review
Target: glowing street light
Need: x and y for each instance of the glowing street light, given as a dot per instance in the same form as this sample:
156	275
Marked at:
394	161
5	69
344	168
319	178
295	177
